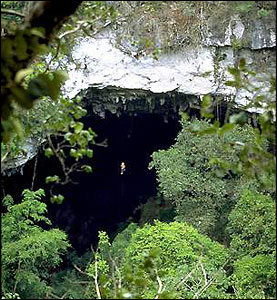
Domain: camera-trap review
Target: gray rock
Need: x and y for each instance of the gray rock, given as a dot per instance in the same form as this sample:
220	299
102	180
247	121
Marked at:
116	81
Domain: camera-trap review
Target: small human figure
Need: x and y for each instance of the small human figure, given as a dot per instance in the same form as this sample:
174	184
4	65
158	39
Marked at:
122	168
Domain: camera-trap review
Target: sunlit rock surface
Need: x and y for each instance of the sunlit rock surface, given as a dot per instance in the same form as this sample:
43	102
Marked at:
190	71
114	80
29	151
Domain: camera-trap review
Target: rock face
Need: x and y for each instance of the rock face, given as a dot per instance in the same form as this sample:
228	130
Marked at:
112	80
29	151
191	71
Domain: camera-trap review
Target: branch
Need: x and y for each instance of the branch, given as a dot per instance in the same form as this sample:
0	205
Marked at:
102	144
34	174
117	270
96	281
204	273
81	24
12	12
55	296
57	154
183	280
160	285
201	291
81	271
16	280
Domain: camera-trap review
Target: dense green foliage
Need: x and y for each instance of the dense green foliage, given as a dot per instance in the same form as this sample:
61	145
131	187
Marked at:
30	253
255	277
252	225
180	250
158	261
202	194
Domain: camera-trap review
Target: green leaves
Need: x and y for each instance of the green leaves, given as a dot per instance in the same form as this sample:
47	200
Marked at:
57	199
226	127
28	248
47	85
22	97
48	152
73	140
86	168
242	64
20	75
197	173
89	153
78	126
174	249
54	178
252	226
207	107
240	118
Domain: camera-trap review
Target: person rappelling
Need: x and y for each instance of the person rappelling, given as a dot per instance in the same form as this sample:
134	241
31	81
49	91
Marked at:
122	167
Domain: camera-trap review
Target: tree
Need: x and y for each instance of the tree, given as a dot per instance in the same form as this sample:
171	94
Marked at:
57	121
252	227
19	48
255	160
29	252
202	194
173	259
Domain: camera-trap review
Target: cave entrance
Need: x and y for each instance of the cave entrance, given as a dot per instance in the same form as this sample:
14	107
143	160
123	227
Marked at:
106	198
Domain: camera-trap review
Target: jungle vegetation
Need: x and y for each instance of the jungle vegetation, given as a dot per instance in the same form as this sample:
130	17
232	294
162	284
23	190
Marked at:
216	236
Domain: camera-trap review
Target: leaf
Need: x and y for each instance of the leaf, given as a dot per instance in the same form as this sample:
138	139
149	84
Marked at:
38	31
207	100
57	198
206	107
209	130
54	178
47	84
233	71
78	126
227	127
89	153
68	136
21	46
22	73
239	118
73	153
87	168
48	152
38	87
242	63
17	127
231	83
22	97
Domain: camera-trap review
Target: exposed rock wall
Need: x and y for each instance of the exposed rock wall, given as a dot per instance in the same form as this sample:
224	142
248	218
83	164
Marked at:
112	80
189	71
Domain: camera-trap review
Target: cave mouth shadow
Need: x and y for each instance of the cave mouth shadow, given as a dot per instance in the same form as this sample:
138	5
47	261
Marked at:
105	199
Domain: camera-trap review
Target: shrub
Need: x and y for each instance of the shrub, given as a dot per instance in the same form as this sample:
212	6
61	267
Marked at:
29	252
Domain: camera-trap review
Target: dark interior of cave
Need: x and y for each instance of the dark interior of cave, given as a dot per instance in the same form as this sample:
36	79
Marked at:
104	199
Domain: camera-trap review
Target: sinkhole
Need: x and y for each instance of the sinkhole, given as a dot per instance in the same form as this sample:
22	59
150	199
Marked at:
104	199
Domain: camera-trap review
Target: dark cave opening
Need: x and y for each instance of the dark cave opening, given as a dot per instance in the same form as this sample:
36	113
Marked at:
105	199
